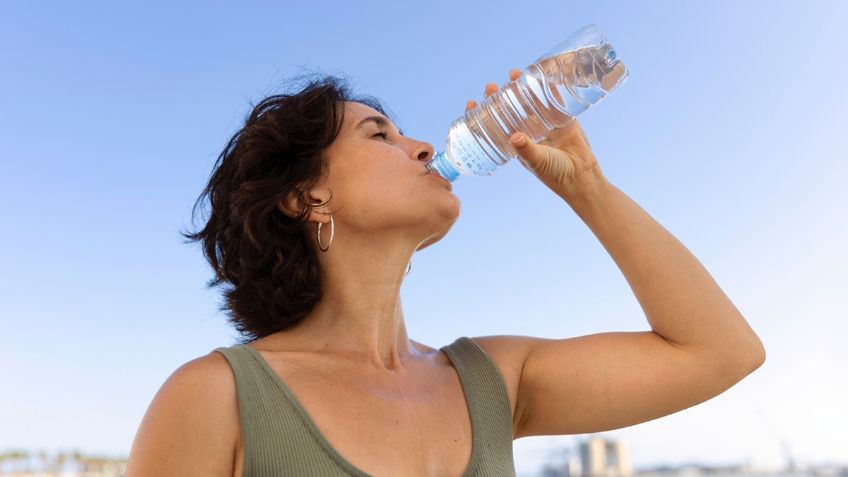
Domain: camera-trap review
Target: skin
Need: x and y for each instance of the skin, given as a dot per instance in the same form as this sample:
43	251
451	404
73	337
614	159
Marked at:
385	207
354	344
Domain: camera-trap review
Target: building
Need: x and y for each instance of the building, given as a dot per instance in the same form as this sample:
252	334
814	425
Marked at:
601	457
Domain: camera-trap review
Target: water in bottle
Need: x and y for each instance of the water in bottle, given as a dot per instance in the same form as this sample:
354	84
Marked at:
575	75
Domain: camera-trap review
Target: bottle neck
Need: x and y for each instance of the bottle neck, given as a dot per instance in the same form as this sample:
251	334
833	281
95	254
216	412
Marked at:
442	166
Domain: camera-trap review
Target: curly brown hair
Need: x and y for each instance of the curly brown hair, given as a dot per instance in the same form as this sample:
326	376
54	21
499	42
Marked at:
263	258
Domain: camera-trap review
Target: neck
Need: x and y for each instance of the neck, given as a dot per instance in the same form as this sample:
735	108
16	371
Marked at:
360	315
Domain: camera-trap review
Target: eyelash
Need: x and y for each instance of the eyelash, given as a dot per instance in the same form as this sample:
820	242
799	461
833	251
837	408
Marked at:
383	134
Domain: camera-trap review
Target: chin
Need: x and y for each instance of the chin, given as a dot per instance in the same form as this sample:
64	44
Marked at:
436	237
448	214
430	241
453	209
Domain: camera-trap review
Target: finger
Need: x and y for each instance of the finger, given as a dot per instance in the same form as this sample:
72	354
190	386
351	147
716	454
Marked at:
490	89
526	150
471	104
514	74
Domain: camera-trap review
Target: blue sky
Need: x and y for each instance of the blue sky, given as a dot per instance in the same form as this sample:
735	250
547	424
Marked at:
731	131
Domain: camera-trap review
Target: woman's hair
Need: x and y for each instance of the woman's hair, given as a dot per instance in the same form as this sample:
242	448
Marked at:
264	258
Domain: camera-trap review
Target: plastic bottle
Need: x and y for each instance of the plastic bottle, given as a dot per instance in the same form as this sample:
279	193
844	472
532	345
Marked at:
573	76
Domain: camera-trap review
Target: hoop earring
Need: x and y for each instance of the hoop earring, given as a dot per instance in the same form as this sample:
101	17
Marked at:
332	233
332	225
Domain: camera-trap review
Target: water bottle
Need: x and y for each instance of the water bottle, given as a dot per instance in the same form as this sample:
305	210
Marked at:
573	76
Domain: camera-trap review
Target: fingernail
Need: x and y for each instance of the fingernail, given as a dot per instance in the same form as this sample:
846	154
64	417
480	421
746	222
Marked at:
517	139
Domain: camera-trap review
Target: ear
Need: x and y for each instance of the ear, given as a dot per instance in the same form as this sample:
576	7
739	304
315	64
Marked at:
292	203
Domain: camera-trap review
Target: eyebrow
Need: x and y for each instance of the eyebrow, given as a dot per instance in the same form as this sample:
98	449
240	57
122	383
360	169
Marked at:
379	120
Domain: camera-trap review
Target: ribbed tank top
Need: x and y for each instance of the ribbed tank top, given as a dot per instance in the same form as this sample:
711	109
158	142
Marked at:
279	437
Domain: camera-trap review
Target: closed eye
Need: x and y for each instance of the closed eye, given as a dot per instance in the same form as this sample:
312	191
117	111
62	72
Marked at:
383	134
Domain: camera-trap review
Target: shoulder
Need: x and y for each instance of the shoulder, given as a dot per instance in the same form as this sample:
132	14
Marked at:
191	426
208	377
208	373
509	352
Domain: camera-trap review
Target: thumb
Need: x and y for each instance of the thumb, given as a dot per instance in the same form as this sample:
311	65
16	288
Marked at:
527	150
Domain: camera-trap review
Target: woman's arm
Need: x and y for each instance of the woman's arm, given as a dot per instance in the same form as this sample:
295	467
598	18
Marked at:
699	346
191	427
681	300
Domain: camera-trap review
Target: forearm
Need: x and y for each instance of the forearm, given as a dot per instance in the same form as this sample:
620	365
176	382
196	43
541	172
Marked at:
682	302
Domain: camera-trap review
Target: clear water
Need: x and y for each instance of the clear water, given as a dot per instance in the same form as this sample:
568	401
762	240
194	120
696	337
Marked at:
546	96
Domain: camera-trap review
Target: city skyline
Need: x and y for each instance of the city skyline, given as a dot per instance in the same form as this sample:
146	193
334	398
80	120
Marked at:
592	455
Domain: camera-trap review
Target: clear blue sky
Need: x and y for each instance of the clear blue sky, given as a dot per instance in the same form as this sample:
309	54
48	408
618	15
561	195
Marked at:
731	132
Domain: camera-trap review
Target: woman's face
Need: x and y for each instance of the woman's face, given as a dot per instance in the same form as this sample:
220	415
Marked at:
379	182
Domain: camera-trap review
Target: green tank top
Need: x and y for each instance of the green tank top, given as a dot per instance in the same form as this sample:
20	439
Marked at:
280	439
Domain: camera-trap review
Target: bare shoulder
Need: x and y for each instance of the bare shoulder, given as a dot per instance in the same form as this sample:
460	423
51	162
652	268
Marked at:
191	426
509	353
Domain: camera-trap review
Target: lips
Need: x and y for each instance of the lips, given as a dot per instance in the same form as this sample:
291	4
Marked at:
442	180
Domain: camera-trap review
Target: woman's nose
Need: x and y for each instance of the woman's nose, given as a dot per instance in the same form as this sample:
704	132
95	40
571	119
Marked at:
426	152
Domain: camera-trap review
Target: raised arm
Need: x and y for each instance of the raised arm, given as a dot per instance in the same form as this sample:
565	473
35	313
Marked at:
682	302
699	344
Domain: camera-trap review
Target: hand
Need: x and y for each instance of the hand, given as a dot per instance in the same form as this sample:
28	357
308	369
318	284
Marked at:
561	159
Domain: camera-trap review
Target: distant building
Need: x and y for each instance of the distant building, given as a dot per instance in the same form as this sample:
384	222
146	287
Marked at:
601	457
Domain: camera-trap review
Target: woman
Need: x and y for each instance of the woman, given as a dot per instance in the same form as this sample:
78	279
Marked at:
317	205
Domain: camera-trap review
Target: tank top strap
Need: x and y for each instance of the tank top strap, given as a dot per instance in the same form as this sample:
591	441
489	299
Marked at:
487	399
277	436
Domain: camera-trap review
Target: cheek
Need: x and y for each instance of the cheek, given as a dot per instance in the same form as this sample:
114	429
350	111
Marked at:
392	194
385	201
375	162
386	189
387	177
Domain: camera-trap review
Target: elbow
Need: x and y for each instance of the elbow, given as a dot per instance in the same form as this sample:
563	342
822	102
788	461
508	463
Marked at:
758	351
743	358
761	349
750	351
742	365
755	356
760	355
